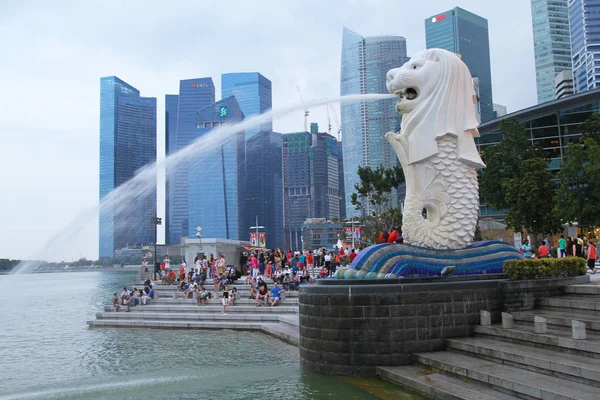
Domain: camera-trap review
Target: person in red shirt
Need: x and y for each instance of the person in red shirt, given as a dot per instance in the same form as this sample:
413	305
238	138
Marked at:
591	258
543	250
352	256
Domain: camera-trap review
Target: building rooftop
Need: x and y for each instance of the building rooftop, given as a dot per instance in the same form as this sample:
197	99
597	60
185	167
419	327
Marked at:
573	101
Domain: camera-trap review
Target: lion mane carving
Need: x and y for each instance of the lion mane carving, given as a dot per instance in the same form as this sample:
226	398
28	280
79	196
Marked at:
437	150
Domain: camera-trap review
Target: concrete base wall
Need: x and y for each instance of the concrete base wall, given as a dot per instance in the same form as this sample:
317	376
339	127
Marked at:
350	328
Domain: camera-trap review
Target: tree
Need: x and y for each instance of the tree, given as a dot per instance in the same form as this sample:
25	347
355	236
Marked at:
503	162
373	197
530	198
578	197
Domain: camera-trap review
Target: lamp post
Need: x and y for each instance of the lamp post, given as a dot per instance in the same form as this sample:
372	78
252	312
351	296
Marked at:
257	227
352	222
156	221
578	184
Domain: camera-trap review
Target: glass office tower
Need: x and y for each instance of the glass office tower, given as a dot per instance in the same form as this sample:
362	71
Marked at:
584	18
180	131
552	44
215	182
465	33
312	168
261	172
127	144
364	66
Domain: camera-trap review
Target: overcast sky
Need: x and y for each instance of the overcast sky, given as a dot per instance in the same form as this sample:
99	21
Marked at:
53	53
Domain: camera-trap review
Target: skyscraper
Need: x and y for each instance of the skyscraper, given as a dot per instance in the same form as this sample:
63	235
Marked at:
312	165
364	66
564	84
127	144
465	33
214	179
585	43
180	131
551	43
261	172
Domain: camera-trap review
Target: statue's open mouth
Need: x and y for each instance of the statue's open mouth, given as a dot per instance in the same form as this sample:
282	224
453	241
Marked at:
408	93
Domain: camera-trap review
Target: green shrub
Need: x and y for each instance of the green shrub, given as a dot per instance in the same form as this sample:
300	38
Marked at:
545	268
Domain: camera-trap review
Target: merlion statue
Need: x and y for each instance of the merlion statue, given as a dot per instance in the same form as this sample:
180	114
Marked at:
436	148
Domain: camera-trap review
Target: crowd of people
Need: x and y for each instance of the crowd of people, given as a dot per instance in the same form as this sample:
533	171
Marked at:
565	247
132	297
288	270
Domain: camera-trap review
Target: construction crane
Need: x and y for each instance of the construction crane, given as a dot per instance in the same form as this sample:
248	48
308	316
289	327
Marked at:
328	119
305	111
337	123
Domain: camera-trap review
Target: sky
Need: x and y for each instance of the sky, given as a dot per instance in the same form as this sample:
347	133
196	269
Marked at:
53	53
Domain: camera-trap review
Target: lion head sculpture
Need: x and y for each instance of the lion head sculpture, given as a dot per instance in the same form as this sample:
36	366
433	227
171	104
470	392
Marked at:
436	98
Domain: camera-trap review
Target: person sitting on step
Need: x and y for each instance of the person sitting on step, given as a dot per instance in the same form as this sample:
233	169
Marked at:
276	294
203	295
263	293
115	302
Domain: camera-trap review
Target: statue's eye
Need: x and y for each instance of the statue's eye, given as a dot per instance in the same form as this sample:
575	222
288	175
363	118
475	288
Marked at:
414	67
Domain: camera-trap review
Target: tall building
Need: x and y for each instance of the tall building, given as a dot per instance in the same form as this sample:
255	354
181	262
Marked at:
215	194
180	131
552	44
500	110
465	33
564	84
263	190
585	43
312	167
364	66
127	144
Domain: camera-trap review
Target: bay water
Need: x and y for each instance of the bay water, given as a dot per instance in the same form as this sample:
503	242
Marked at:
47	351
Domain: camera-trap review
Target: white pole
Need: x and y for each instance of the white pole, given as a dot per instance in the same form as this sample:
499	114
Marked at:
352	232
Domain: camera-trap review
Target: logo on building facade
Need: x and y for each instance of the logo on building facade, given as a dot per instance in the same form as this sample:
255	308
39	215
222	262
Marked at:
223	111
199	85
438	18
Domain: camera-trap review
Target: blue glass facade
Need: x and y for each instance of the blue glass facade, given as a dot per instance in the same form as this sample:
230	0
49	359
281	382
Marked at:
253	93
584	18
127	143
262	191
552	44
465	33
180	121
364	66
215	188
171	107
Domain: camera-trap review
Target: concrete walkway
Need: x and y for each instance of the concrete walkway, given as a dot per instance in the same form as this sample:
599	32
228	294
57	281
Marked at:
169	310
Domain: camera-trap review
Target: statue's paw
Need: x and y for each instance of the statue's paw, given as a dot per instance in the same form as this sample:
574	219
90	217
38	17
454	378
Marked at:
392	135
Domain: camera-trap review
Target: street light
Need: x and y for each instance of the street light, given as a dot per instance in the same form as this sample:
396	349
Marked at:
199	236
257	227
352	232
579	186
156	221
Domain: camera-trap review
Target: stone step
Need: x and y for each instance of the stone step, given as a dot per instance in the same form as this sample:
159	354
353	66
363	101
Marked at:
241	293
572	302
439	386
238	301
555	339
561	320
278	330
281	309
517	381
550	362
149	316
583	289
